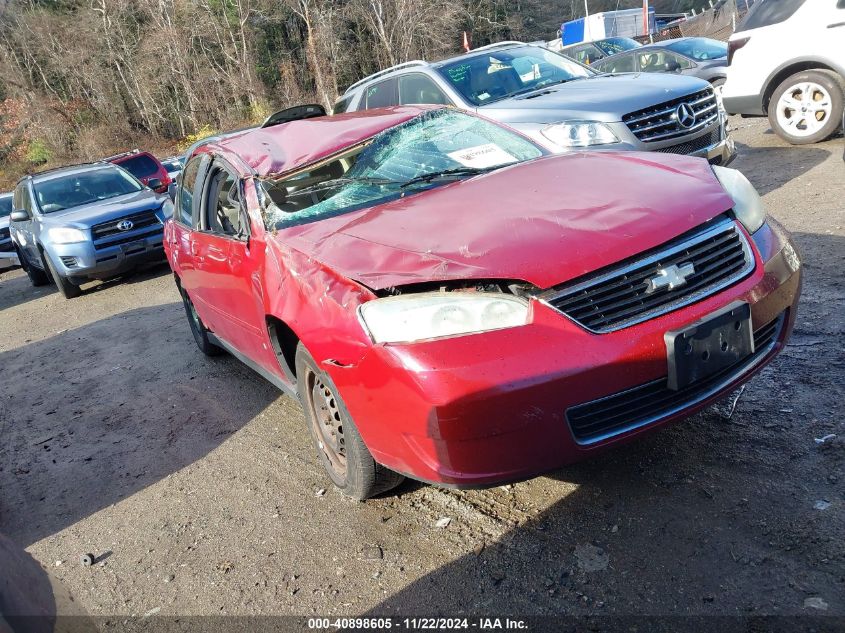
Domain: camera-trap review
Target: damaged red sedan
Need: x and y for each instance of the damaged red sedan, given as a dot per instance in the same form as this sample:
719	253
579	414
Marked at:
451	303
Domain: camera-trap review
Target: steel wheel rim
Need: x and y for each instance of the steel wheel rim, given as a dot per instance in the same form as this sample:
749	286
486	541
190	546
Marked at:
327	424
804	109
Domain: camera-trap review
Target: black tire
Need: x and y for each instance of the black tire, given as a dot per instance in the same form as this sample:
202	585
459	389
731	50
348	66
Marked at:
804	89
36	276
198	328
340	448
67	289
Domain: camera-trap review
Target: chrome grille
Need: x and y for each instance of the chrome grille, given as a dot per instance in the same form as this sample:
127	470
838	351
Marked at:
661	122
138	220
713	257
697	144
624	411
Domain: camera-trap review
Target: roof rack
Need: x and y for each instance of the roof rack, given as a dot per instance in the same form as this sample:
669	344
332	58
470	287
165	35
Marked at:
498	45
416	62
121	155
63	167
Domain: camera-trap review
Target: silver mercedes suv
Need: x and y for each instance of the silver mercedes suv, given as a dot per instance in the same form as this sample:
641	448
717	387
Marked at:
91	221
559	102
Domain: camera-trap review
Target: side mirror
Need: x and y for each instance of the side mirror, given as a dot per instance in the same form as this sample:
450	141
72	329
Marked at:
154	183
171	191
19	215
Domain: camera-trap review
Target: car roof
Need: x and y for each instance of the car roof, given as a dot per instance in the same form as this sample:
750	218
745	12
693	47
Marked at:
418	64
484	50
70	170
276	150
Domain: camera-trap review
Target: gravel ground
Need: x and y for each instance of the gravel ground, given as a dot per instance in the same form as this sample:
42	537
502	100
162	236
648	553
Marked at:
194	483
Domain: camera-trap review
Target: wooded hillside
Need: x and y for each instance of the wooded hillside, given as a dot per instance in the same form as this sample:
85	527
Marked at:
81	78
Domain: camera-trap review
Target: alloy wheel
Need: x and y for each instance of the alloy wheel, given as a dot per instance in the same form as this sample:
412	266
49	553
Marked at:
804	108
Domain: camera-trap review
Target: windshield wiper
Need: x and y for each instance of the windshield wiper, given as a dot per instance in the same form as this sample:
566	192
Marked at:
338	182
455	172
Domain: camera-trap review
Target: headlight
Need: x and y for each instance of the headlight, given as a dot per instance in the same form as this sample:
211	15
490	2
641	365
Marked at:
61	235
579	134
748	206
437	314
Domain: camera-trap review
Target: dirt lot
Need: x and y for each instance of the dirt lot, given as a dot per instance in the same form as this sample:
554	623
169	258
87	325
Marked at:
194	482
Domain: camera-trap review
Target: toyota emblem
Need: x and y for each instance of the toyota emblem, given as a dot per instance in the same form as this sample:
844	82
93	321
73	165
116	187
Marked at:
685	115
125	225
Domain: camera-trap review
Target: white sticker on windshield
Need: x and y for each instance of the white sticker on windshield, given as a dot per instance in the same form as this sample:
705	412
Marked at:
482	156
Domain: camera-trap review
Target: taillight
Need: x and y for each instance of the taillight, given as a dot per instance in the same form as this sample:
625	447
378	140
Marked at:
734	46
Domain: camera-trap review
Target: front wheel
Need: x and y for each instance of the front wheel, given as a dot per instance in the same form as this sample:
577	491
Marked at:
340	448
36	276
67	289
807	107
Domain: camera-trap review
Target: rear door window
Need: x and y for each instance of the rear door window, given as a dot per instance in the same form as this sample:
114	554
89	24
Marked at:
417	88
768	12
618	64
658	61
383	94
140	166
585	54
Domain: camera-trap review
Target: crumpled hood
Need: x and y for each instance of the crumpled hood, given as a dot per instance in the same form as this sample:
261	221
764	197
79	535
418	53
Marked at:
603	98
544	222
88	215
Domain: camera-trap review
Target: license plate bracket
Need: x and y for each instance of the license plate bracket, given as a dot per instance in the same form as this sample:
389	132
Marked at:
710	345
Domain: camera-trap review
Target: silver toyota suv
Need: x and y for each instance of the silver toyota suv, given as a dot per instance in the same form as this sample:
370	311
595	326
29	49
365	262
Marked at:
91	221
560	103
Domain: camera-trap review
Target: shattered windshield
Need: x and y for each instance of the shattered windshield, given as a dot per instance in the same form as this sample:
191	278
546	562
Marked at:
431	149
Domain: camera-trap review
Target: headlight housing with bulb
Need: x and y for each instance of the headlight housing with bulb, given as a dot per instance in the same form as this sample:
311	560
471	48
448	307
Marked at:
431	315
748	206
66	235
579	134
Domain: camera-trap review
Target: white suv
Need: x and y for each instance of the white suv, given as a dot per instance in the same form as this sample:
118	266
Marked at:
787	60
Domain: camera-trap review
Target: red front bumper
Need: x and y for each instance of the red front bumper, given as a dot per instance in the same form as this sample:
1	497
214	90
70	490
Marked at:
490	408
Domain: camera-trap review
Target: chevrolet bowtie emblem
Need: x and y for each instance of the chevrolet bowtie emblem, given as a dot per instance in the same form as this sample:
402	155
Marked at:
670	277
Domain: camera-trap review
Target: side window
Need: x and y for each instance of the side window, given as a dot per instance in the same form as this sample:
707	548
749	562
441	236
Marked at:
21	199
16	198
417	88
619	64
223	203
661	61
342	105
587	54
185	203
768	12
382	94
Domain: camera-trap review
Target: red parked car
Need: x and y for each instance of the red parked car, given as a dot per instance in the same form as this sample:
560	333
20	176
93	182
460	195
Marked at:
451	303
145	167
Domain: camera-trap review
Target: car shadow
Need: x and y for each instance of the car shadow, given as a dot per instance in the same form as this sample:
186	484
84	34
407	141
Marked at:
16	289
795	161
92	415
